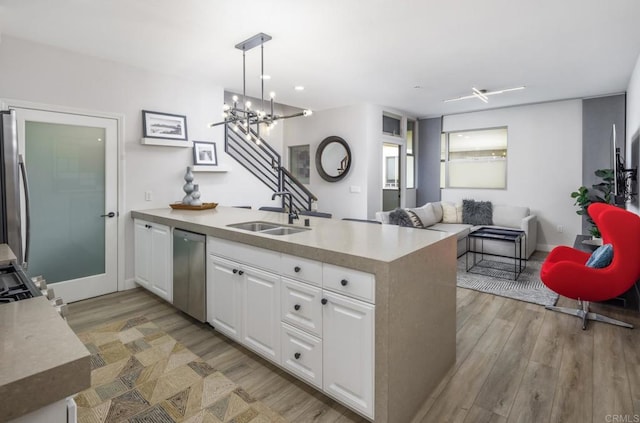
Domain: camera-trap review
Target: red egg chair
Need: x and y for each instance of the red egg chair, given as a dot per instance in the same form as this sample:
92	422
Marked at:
564	271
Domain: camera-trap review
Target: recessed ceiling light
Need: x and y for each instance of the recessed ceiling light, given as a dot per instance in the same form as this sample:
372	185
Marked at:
298	88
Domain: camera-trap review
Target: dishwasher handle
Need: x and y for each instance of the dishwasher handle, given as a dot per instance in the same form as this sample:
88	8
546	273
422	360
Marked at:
188	236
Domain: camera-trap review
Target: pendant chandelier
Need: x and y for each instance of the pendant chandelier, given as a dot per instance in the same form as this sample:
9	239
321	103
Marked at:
242	113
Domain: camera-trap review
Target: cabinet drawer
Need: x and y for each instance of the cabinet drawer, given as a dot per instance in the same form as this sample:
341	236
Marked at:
353	283
243	253
303	269
302	355
301	306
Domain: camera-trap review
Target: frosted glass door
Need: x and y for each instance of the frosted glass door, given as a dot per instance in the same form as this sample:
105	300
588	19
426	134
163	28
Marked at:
68	161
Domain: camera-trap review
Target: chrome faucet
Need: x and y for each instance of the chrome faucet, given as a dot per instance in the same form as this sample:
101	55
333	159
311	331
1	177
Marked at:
293	214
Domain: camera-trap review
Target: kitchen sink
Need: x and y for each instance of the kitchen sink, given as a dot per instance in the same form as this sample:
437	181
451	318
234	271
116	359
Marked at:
254	226
268	228
284	230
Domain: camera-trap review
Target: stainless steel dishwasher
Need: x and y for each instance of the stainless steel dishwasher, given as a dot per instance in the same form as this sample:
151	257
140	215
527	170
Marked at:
189	274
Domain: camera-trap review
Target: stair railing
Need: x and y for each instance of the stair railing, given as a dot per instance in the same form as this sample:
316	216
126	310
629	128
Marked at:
265	163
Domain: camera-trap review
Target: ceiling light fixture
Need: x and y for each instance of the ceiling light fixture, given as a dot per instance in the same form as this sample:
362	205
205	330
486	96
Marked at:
480	94
483	95
244	115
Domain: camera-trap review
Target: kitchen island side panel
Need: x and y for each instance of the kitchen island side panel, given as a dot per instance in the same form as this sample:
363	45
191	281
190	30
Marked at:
421	326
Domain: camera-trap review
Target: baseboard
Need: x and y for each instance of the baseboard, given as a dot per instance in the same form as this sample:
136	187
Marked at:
545	247
128	284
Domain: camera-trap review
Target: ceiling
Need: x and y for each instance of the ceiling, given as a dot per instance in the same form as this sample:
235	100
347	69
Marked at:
404	54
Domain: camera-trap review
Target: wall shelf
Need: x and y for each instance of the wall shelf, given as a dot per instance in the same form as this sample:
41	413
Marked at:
196	168
166	143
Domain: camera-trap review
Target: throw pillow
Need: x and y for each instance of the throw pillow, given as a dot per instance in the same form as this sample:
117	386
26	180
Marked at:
601	257
477	212
414	219
427	215
394	216
403	217
448	212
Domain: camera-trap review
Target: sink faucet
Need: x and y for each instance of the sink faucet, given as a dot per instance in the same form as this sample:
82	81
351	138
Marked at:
293	214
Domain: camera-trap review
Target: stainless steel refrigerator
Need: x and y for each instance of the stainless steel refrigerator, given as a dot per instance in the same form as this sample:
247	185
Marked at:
12	171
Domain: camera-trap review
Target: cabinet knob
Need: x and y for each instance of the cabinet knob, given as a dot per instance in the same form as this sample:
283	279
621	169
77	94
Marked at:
241	272
235	271
344	282
324	301
297	306
297	269
297	356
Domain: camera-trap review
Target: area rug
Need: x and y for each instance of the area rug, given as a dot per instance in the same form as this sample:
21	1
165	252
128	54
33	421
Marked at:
141	374
498	280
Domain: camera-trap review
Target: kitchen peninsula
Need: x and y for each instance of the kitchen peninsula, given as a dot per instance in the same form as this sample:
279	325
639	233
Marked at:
401	279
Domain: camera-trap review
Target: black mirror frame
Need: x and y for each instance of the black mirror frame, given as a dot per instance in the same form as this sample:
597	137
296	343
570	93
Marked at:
319	151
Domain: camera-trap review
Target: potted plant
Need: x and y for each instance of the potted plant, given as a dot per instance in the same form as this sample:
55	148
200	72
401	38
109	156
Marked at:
601	192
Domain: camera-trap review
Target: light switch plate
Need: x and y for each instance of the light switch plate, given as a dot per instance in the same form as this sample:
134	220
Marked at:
355	188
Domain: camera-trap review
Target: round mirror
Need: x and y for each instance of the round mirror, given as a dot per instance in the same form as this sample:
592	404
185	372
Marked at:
333	159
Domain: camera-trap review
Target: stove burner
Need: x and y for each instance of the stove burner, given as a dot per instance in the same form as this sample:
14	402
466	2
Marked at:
14	285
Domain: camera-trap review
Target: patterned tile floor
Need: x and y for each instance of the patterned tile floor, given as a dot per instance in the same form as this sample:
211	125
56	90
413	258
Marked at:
141	374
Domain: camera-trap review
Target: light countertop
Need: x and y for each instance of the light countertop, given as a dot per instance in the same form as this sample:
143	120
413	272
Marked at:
358	245
41	359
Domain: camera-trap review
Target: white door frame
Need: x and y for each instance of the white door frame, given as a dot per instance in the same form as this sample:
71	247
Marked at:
120	162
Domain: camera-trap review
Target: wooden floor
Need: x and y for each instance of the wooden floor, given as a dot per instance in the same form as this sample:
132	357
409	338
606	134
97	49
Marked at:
516	362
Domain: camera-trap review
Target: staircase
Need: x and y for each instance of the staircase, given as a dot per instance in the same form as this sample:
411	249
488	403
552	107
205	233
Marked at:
264	162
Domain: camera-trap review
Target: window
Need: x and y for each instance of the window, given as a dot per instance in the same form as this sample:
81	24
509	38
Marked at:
474	159
391	125
411	166
391	166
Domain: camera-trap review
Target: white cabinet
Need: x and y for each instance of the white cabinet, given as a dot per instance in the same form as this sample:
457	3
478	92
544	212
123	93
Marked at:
261	312
302	355
244	304
142	252
348	351
316	320
152	258
224	292
301	306
328	332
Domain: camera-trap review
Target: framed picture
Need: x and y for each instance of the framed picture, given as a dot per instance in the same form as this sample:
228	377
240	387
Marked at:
164	125
299	162
204	153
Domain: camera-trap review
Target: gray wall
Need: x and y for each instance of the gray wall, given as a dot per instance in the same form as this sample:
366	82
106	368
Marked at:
598	114
428	177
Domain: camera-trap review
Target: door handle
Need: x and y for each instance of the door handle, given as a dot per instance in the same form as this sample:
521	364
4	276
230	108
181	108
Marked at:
110	214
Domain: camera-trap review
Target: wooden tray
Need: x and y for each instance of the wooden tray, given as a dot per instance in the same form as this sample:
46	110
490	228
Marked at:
204	206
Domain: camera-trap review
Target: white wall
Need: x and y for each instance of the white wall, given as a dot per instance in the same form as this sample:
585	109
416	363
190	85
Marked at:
349	123
42	74
632	154
544	164
361	127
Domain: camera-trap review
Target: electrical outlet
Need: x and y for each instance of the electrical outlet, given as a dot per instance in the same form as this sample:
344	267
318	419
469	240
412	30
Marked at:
147	196
560	228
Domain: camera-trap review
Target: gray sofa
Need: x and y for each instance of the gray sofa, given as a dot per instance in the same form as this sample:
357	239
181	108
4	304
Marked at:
438	216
